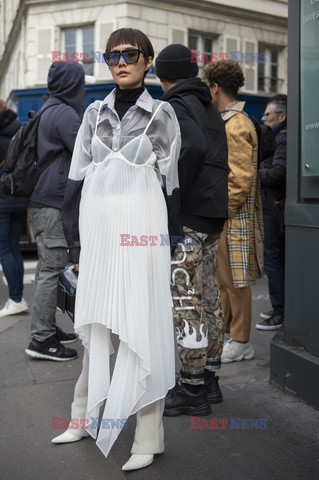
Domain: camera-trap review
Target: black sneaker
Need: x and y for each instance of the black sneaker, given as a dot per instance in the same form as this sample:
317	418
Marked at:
65	337
213	391
51	349
267	315
181	401
273	323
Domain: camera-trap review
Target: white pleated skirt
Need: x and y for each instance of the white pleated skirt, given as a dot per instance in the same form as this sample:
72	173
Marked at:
125	290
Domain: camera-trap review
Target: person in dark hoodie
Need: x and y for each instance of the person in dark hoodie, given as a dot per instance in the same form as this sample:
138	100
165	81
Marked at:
57	132
12	218
203	172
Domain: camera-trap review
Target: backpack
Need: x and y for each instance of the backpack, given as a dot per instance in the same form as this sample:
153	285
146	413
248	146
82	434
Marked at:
21	171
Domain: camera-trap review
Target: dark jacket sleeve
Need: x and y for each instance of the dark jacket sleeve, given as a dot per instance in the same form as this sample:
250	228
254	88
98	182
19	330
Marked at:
67	127
202	166
70	218
166	140
275	176
7	204
175	228
57	132
81	160
193	148
6	135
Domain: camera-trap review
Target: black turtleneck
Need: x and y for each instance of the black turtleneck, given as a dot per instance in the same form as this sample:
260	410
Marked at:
124	99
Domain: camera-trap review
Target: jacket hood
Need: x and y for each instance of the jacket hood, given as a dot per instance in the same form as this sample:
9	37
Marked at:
66	81
6	117
192	85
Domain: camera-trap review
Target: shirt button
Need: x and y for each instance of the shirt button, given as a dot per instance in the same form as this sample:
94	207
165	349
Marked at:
115	149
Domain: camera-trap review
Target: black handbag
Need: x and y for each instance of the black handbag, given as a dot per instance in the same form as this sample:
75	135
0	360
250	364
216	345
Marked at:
67	283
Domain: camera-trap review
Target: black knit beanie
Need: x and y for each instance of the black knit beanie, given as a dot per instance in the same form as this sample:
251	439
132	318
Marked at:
174	62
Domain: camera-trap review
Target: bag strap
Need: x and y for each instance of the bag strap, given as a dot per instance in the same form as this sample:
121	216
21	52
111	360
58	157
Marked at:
43	109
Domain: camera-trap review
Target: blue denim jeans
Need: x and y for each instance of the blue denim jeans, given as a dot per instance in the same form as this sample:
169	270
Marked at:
274	257
11	259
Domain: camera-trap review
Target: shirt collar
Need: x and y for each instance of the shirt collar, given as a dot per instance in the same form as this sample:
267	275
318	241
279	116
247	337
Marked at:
144	101
232	110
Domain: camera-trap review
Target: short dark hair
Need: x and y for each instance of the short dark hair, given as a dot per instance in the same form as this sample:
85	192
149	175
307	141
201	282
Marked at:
282	97
227	75
131	36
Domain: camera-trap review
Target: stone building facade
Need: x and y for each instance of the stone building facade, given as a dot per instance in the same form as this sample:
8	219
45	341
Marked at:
33	33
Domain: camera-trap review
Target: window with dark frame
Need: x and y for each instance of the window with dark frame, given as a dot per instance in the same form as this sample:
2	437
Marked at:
203	44
268	72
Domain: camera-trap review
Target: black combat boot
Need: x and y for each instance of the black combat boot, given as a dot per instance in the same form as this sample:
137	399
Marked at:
186	399
213	391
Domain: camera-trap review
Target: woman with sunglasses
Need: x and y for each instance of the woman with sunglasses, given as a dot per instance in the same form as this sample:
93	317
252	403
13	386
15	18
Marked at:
124	167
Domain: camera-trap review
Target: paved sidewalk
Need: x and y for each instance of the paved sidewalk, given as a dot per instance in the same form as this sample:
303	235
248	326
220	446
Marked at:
33	391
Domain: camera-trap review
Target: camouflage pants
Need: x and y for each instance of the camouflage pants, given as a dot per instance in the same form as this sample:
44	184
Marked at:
198	315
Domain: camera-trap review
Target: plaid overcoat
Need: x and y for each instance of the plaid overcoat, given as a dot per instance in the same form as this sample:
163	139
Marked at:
245	222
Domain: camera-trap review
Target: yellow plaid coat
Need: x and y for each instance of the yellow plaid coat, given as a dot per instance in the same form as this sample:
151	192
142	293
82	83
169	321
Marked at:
245	223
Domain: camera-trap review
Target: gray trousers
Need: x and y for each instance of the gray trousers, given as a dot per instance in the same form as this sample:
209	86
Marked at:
53	257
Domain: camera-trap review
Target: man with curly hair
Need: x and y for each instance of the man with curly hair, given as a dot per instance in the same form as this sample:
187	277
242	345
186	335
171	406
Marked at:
240	254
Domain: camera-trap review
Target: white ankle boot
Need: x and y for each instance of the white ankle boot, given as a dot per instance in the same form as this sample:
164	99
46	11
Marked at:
138	460
78	411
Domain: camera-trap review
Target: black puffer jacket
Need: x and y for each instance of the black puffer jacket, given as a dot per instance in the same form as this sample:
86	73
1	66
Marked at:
202	166
9	125
272	171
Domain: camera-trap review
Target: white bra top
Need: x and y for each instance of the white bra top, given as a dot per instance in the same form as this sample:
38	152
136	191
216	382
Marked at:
137	152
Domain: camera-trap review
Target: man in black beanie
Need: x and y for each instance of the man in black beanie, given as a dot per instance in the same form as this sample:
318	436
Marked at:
203	173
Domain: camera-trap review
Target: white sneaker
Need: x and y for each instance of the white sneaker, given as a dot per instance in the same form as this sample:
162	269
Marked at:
236	351
11	307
